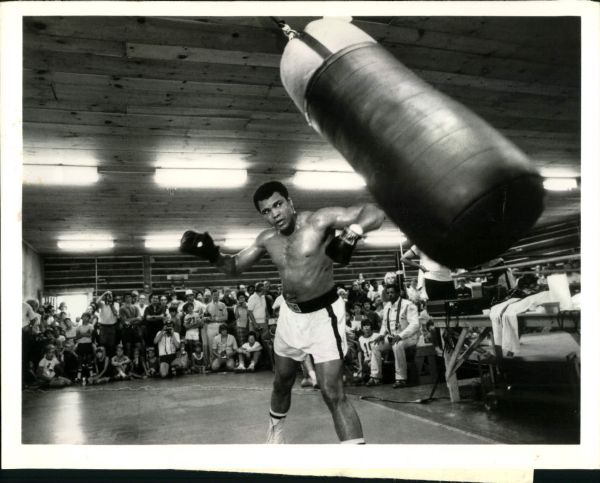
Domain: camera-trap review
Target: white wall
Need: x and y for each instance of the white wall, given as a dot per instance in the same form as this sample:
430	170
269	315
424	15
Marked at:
33	274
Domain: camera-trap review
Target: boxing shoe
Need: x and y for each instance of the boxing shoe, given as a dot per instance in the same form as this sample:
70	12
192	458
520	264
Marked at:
251	367
275	433
200	245
240	368
306	382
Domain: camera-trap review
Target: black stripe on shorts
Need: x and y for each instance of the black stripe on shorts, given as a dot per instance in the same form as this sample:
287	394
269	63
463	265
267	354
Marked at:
338	339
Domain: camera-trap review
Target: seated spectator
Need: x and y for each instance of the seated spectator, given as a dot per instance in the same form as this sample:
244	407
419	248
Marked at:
193	323
356	320
121	364
249	352
197	365
224	348
462	291
243	318
399	330
139	370
168	342
102	369
49	369
69	360
181	363
371	315
153	363
365	344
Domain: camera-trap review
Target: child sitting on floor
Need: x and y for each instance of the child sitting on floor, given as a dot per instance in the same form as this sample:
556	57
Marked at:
152	362
102	369
49	369
121	364
139	370
197	360
181	363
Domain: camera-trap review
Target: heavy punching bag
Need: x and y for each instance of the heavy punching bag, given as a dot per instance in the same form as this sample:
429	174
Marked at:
454	185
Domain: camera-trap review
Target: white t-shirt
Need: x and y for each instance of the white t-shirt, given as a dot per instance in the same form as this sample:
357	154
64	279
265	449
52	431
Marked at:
255	348
366	345
48	366
257	304
198	309
106	315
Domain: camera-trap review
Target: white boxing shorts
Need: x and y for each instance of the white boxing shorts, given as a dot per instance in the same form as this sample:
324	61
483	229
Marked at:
316	327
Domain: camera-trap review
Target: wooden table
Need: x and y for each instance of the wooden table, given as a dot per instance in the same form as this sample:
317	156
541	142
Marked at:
455	357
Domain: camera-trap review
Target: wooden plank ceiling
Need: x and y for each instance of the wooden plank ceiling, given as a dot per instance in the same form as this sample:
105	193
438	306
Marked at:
131	93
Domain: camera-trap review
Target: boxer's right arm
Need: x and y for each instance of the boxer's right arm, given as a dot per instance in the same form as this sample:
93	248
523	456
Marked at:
202	245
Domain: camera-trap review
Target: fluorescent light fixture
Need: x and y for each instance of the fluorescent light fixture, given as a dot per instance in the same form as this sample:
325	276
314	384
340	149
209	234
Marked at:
560	184
328	180
239	240
162	241
205	161
86	237
59	175
85	245
318	164
384	238
550	172
200	178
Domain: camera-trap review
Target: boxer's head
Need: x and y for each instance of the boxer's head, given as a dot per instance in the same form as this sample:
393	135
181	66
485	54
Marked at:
274	204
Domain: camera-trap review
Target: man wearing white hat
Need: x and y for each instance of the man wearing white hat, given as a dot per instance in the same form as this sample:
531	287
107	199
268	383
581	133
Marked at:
191	298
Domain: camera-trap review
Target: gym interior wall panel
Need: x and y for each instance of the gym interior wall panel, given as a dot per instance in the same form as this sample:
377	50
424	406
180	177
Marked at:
33	274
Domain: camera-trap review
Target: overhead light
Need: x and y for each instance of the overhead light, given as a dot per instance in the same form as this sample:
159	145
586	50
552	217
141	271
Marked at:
85	237
328	180
200	178
239	240
384	238
85	245
560	184
551	172
164	242
59	175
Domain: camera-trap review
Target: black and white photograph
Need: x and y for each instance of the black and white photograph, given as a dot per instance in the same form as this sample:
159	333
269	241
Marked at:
347	227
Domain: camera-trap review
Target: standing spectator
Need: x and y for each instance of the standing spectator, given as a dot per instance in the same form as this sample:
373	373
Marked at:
62	308
177	319
365	344
434	278
168	342
249	352
462	291
190	299
355	322
164	301
70	329
224	348
197	365
139	370
140	301
49	369
412	292
102	367
192	322
121	364
154	319
399	330
130	320
243	318
108	318
217	315
257	305
31	317
84	347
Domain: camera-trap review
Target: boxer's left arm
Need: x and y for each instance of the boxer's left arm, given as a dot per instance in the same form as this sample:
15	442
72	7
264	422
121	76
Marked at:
354	221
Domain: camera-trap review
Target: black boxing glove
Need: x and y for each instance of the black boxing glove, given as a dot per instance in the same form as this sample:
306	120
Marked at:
200	245
340	249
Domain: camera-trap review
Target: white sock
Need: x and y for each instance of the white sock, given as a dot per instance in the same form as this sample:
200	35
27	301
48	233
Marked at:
313	376
277	418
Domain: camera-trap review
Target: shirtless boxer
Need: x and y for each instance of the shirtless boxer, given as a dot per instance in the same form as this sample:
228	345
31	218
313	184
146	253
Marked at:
303	246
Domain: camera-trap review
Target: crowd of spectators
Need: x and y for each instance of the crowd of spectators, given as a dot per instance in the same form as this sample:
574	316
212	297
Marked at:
138	334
